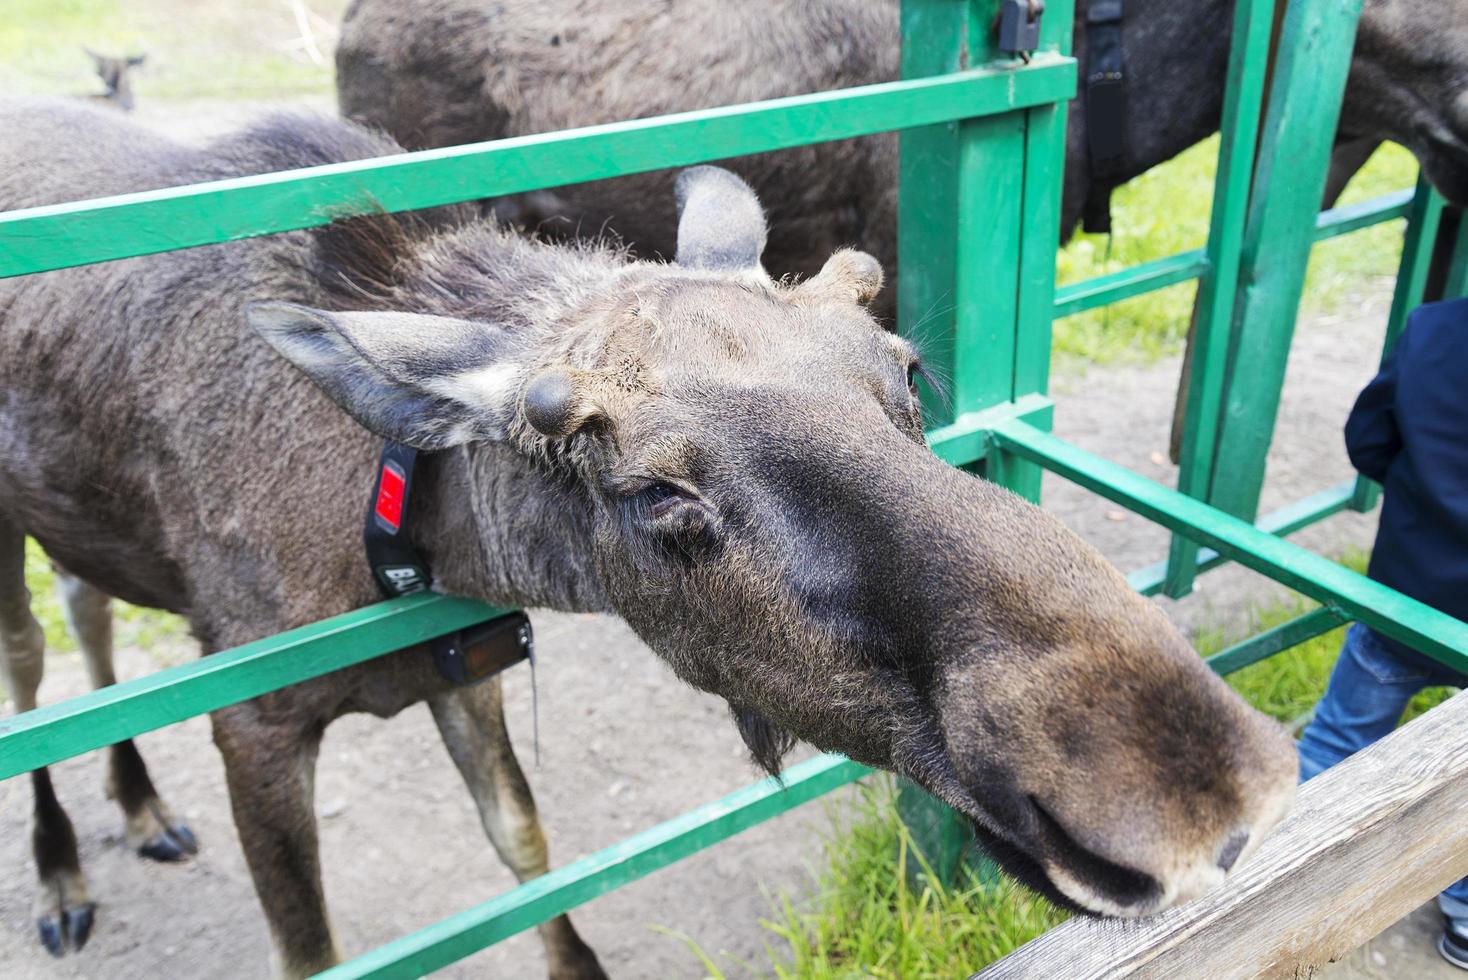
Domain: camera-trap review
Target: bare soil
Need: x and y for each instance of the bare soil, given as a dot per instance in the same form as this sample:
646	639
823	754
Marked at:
623	745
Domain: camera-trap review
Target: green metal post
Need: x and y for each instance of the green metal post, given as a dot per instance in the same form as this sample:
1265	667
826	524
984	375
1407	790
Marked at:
1422	223
1242	105
979	216
1304	107
931	210
1456	284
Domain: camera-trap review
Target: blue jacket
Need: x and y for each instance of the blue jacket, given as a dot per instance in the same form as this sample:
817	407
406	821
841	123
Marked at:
1409	432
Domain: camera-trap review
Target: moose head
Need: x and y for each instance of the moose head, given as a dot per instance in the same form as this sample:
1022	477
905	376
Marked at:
743	467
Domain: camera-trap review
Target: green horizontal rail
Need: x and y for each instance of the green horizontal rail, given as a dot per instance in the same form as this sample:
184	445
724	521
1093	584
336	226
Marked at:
1291	633
565	888
1353	217
1117	286
1169	271
61	235
966	439
90	721
1421	627
1282	522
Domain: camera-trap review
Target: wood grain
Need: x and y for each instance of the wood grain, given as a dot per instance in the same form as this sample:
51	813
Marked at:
1367	842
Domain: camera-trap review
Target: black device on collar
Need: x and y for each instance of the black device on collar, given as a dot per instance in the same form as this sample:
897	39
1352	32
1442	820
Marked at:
464	656
1106	103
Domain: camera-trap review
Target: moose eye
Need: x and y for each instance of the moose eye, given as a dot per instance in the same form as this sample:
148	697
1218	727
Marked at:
659	497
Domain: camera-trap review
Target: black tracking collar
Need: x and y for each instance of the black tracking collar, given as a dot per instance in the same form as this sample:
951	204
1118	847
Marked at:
464	656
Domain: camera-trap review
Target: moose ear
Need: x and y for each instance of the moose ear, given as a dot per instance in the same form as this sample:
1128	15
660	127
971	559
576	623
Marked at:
426	381
848	276
720	224
136	60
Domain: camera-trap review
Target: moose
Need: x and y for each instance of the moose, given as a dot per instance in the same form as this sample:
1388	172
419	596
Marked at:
116	76
438	73
732	463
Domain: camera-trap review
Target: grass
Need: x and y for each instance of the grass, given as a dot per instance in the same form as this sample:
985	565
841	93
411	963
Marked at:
194	50
863	919
1166	211
161	634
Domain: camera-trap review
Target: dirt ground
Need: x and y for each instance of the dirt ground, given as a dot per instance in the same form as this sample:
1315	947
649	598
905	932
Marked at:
623	745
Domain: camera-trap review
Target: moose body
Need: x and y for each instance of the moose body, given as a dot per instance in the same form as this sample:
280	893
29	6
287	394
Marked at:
734	465
444	72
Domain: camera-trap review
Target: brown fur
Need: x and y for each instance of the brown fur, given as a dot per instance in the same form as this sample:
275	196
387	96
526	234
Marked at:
735	466
444	72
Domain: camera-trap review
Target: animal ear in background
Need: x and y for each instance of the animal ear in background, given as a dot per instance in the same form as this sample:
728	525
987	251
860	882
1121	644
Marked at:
136	60
426	381
848	276
721	227
767	742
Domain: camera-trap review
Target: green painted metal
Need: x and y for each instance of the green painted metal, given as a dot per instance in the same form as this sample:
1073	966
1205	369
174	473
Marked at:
931	213
1422	223
1134	281
1282	522
1353	217
1184	266
565	888
979	215
1421	627
927	198
1289	634
1457	281
62	235
54	732
1304	107
966	439
1242	104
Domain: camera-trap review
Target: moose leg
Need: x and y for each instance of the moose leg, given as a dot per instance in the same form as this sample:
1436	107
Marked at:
63	909
147	823
472	723
270	766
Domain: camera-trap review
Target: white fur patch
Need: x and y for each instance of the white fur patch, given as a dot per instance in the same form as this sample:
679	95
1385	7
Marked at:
493	388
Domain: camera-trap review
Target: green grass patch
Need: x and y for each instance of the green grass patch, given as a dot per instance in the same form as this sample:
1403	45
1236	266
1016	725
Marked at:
194	50
864	920
133	626
1287	686
1166	211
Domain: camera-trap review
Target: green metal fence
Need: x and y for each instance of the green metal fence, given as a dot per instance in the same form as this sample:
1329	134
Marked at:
982	149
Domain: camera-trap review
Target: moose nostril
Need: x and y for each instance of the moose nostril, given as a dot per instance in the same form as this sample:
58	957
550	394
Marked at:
1232	850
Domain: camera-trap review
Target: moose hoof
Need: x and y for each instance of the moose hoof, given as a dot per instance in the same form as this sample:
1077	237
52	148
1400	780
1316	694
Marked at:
171	844
69	928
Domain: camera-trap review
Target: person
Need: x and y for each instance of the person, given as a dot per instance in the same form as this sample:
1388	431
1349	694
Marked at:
1409	432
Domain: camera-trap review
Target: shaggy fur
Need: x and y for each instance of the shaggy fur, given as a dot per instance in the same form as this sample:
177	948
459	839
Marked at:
735	466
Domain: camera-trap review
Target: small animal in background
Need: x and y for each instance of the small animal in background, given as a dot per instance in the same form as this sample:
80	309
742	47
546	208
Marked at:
114	74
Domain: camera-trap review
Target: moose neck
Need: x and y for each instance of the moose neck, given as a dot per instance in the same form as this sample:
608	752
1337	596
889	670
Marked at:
1176	61
496	528
493	524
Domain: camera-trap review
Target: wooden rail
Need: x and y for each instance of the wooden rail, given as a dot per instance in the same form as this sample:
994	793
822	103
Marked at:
1368	841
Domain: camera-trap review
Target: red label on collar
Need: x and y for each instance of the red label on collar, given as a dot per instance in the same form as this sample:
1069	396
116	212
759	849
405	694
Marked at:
389	506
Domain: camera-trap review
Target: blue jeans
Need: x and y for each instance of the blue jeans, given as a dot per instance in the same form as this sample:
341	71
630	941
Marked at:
1369	689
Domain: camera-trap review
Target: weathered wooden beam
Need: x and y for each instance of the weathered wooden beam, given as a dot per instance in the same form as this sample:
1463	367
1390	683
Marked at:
1367	842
